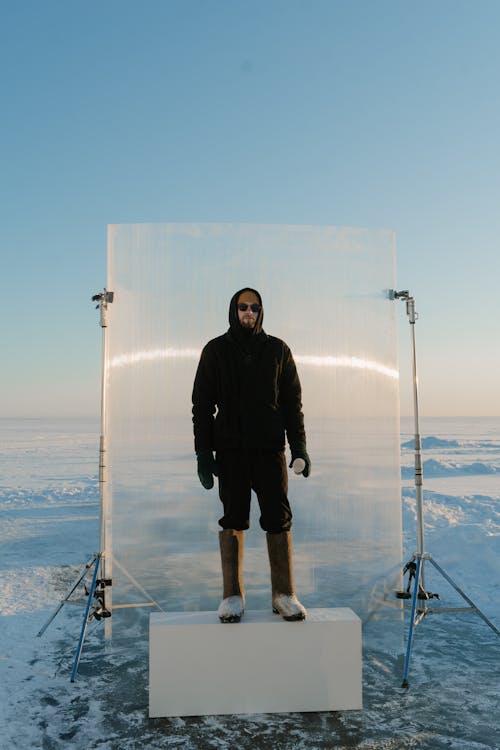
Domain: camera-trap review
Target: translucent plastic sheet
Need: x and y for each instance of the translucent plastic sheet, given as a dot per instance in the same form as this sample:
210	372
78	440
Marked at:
325	292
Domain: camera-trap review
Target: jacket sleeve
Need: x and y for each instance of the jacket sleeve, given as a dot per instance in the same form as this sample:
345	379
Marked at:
291	401
204	402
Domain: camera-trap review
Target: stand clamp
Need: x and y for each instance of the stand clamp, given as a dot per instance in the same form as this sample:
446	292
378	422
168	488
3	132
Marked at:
103	299
423	594
404	294
99	611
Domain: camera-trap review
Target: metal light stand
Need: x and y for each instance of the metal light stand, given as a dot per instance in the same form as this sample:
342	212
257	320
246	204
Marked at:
100	587
416	566
105	582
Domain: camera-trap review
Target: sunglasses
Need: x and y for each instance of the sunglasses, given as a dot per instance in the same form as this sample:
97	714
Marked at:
254	307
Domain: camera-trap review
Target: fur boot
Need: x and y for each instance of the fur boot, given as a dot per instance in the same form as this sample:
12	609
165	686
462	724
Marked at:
232	605
284	600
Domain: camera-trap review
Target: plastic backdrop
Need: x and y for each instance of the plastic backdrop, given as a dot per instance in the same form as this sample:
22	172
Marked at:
326	292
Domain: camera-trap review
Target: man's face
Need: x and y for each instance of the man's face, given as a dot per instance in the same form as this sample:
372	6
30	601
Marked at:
247	317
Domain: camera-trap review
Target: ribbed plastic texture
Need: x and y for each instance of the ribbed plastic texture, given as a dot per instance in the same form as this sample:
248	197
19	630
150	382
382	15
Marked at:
326	292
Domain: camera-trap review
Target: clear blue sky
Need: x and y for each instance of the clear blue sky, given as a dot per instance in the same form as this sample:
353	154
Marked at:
362	113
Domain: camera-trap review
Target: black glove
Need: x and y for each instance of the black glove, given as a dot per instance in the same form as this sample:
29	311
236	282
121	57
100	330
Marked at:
206	468
299	451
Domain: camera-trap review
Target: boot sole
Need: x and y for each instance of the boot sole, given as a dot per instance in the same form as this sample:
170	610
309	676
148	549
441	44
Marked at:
291	618
230	618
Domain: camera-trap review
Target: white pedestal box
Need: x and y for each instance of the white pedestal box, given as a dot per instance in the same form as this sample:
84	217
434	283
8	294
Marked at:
199	666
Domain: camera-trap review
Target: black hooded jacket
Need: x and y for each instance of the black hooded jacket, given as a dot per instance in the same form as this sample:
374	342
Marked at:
246	392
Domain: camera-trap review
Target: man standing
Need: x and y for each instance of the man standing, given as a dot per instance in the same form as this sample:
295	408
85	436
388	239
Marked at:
246	397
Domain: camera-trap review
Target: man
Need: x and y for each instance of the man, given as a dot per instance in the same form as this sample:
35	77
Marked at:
246	397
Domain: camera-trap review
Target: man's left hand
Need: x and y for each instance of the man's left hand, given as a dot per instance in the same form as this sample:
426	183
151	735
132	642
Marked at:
299	451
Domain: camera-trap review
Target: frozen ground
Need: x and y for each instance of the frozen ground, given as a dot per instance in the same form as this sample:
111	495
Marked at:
49	511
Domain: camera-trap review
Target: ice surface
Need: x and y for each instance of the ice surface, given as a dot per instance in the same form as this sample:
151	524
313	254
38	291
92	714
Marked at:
49	521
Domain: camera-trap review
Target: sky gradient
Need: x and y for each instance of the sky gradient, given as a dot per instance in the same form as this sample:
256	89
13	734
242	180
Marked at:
365	114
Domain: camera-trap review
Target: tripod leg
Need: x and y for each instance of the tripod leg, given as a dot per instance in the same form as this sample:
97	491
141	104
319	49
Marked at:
464	596
63	601
85	620
405	683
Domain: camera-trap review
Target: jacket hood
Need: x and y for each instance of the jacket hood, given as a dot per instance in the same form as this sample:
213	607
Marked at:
234	322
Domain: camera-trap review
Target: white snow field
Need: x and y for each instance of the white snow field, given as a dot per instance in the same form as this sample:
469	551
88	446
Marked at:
49	505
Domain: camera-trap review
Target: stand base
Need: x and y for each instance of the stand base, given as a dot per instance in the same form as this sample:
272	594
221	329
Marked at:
418	613
262	664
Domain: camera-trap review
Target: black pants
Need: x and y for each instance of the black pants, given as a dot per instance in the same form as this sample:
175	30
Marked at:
240	472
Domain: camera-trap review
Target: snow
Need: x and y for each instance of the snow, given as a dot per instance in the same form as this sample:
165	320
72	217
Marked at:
441	468
49	509
431	441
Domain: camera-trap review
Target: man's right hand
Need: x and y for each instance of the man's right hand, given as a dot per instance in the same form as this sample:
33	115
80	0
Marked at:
206	468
